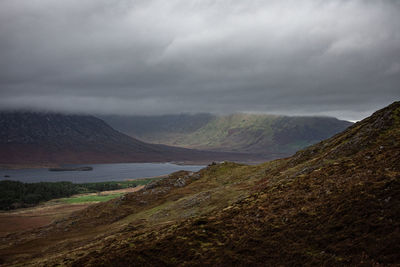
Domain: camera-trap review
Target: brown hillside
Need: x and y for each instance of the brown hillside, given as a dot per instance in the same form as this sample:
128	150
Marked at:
334	203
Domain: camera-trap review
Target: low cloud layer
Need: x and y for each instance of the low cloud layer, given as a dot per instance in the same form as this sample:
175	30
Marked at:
326	57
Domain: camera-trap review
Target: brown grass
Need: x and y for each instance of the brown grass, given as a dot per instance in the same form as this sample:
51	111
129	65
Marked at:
31	218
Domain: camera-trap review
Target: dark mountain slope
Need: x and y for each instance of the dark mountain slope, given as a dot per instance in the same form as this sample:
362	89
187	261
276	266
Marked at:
335	203
46	138
275	136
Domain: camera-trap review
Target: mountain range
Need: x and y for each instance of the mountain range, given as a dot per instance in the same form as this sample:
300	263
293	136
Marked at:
46	139
28	138
334	203
271	135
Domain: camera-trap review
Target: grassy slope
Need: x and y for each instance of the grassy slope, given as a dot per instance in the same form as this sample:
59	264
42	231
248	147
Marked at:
267	134
102	198
230	132
337	202
261	133
91	198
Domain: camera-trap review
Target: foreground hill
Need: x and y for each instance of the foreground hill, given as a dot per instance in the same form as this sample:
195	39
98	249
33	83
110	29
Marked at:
334	203
48	138
275	136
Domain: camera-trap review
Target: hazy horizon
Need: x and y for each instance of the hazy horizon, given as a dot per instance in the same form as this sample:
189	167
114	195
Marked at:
100	115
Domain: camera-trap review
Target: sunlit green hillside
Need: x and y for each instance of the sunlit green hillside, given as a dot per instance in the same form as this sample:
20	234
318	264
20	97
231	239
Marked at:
253	133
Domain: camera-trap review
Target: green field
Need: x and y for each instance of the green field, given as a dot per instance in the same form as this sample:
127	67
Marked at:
15	194
90	198
103	198
124	184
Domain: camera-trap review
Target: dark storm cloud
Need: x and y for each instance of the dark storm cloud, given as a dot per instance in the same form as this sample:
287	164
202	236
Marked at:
330	57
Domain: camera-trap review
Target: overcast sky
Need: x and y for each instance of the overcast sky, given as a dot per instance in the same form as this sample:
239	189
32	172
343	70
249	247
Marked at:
324	57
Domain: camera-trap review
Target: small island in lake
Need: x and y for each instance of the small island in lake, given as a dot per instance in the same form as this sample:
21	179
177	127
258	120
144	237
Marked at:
71	169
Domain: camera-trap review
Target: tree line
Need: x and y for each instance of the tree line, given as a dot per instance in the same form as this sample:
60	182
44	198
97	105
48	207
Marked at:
15	194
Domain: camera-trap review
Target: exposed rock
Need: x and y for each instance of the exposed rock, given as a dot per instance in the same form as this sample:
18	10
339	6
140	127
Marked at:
180	182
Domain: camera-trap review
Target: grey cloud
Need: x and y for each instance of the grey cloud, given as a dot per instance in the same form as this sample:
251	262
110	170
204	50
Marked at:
331	57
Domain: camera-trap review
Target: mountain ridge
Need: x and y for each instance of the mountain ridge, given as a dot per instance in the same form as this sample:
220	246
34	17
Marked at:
53	138
334	203
272	135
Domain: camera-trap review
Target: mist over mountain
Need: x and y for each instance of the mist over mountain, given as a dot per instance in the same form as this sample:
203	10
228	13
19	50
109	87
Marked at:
271	135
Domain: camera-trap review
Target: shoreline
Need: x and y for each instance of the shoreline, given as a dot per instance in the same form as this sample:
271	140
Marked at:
6	166
27	166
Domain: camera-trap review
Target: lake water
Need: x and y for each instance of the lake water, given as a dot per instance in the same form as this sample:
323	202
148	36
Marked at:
100	172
